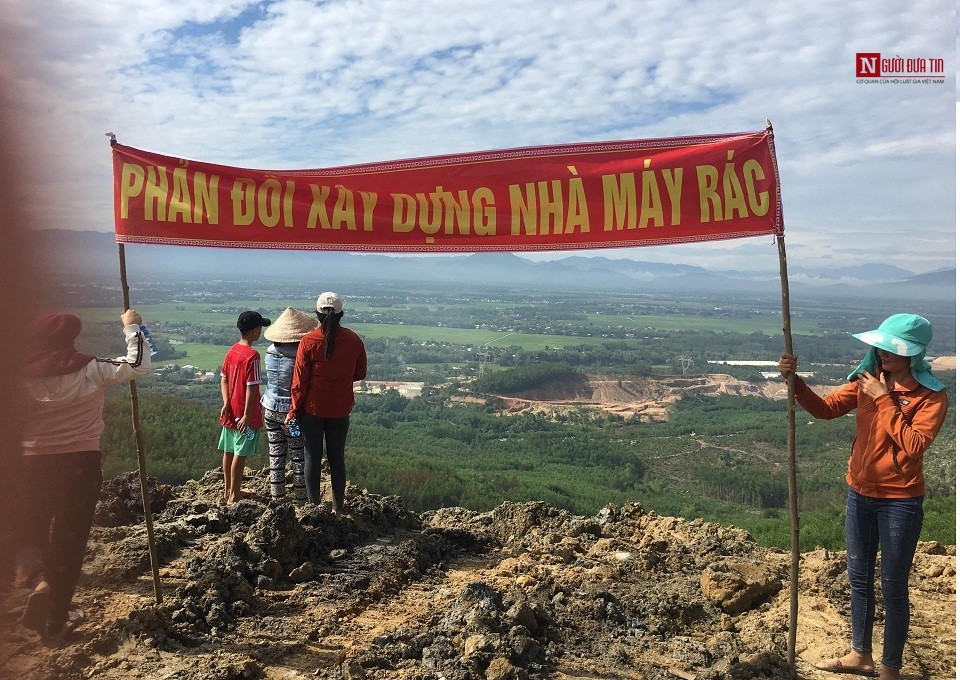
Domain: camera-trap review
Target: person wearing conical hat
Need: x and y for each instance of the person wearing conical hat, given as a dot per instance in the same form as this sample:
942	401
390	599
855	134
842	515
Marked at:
285	333
900	409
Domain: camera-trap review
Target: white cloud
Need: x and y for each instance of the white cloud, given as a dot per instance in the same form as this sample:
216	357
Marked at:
294	83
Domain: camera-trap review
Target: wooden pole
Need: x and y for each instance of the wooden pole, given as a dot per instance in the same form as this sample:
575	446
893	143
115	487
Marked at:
138	435
791	463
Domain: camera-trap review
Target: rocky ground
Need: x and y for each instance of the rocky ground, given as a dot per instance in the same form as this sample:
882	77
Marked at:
283	591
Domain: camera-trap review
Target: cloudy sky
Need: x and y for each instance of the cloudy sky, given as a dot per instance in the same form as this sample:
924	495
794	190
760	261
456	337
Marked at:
867	170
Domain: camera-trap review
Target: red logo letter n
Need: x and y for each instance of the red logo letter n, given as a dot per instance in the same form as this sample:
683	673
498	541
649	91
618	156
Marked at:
868	64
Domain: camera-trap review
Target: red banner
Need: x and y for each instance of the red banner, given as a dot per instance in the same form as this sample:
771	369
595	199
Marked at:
602	195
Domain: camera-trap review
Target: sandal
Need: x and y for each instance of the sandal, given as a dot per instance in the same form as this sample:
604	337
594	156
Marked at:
837	666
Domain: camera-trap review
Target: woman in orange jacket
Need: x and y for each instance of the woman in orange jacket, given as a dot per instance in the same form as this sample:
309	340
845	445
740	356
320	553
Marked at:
900	409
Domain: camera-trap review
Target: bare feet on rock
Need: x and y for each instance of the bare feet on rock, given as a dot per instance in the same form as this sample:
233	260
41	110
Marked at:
241	495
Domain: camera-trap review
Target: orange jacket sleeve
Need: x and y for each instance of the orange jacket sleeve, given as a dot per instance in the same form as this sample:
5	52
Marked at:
912	436
838	403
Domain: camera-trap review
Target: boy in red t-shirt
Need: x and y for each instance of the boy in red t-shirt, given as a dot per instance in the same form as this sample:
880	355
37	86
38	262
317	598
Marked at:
240	388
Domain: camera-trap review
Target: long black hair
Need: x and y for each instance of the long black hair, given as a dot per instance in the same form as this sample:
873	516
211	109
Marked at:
330	323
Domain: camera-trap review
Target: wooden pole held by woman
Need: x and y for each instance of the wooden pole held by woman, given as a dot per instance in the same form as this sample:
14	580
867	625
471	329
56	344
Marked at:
791	462
138	435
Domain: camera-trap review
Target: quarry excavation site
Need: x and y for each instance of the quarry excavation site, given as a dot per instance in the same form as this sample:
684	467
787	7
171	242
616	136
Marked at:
644	398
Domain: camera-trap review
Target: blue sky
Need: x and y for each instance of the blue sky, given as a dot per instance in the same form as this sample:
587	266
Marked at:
868	171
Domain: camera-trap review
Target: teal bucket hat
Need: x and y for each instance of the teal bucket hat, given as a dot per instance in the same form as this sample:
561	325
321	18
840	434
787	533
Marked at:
906	335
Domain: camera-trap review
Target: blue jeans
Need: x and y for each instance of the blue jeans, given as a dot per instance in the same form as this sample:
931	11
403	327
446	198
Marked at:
893	526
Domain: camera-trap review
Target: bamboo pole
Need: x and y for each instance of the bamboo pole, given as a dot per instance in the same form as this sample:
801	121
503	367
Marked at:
791	462
138	435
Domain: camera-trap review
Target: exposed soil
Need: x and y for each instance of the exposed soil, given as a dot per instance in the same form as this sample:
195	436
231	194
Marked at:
644	398
279	591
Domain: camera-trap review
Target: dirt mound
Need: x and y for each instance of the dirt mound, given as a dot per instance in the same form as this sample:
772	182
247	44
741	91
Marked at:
121	502
274	590
643	398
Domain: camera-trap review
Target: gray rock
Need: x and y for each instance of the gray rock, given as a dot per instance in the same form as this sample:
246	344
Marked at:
303	573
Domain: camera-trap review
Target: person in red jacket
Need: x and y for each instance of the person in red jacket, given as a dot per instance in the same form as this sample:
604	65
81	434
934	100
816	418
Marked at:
330	359
900	409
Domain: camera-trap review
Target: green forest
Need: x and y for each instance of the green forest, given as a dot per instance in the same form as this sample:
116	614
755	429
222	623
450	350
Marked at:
437	455
722	459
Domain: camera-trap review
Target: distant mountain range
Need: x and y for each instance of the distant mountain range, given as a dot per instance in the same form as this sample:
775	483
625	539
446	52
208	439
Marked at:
90	254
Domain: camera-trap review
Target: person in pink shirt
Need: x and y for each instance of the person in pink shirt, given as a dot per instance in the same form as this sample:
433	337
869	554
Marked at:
61	458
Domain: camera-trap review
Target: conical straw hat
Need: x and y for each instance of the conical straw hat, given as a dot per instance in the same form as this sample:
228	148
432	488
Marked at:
290	326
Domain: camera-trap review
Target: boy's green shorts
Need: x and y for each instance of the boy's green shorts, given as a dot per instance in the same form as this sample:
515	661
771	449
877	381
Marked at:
236	442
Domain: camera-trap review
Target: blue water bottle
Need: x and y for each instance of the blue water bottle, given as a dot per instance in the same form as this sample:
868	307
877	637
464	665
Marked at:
293	427
247	431
149	338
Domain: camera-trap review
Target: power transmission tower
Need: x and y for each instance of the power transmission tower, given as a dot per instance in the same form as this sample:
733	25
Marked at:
685	363
483	358
483	355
